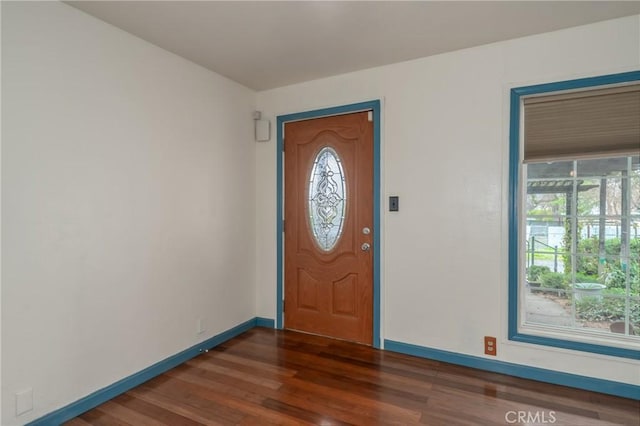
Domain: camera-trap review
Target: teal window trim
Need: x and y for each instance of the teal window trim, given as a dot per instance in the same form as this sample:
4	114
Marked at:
514	213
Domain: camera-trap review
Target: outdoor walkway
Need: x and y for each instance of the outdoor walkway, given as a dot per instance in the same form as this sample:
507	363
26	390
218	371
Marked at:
545	311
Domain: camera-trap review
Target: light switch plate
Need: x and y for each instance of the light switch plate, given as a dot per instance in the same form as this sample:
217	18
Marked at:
394	203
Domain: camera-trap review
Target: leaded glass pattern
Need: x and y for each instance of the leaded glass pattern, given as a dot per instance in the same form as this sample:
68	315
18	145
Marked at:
327	198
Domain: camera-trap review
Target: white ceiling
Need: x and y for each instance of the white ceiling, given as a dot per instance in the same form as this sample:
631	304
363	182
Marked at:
267	44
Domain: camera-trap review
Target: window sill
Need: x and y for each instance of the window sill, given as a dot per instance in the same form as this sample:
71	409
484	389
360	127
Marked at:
620	346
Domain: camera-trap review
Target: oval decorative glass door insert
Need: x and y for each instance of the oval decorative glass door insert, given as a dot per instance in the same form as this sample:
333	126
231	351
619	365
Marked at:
327	198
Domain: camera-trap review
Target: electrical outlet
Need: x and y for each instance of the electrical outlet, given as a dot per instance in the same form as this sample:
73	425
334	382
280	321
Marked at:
490	346
24	401
199	326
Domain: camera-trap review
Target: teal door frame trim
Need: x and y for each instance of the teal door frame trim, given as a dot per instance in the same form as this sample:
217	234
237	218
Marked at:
374	107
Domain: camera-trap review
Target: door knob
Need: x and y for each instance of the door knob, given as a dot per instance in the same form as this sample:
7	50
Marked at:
365	246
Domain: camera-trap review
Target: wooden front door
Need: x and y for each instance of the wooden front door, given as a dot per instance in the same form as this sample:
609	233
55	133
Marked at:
328	213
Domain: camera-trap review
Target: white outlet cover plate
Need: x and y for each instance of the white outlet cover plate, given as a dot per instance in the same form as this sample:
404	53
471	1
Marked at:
24	401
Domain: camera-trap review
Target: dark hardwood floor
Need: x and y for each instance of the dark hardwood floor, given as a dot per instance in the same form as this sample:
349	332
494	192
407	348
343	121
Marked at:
268	377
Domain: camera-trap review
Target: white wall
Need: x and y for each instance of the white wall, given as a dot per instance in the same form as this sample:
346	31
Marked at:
445	139
128	194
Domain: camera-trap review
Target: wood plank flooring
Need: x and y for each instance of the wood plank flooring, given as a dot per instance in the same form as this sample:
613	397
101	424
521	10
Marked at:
266	377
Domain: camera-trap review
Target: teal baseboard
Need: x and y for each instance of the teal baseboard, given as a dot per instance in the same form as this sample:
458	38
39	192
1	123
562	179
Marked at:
265	322
103	395
624	390
565	379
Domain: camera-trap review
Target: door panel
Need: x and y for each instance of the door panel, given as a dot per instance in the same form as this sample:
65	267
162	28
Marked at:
328	275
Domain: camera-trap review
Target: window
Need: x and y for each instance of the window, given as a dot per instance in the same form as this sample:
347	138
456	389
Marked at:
327	198
574	219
